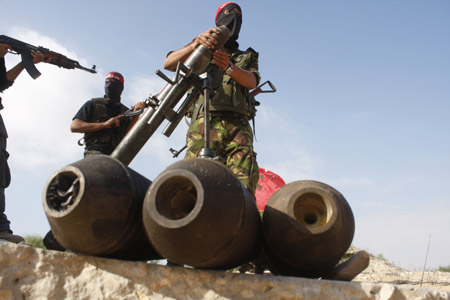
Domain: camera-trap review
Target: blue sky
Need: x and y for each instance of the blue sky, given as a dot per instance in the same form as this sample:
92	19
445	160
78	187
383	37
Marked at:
362	102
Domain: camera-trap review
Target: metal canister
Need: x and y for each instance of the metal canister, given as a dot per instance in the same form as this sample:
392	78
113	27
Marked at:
307	227
197	213
94	206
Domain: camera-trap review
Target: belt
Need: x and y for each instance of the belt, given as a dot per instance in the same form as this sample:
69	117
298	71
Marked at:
224	114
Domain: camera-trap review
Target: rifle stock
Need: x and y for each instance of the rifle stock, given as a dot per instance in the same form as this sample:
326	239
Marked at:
259	89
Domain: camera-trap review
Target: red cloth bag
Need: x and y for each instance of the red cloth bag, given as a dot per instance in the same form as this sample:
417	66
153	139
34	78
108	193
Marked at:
268	184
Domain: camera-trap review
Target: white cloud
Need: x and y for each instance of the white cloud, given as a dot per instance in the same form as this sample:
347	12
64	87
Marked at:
38	112
139	87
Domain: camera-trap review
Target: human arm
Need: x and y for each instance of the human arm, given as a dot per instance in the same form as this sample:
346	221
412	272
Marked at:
245	78
4	83
81	126
84	120
4	49
13	73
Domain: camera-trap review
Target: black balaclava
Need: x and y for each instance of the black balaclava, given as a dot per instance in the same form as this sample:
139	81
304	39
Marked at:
226	15
113	88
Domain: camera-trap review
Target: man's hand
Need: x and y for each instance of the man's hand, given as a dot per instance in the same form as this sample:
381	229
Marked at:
207	39
241	76
139	105
221	59
38	57
113	122
4	49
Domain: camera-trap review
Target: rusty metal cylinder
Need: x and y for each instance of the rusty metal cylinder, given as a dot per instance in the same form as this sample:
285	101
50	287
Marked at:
197	213
94	206
307	227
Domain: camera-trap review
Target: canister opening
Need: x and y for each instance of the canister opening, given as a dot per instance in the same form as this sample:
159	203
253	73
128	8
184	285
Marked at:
62	190
176	198
310	210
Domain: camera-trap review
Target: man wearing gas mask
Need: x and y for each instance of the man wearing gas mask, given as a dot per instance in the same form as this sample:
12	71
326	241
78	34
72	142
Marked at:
234	73
101	119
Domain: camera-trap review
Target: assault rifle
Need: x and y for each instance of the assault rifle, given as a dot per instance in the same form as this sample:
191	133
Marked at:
54	58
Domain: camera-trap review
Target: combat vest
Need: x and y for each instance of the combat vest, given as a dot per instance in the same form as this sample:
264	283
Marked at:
231	96
110	137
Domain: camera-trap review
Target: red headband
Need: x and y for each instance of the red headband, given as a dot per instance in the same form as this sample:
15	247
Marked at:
116	76
221	7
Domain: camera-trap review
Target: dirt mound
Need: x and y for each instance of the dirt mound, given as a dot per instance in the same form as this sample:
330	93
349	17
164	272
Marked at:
381	271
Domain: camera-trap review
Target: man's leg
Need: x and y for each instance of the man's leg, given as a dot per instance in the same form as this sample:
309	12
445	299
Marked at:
4	222
5	231
241	159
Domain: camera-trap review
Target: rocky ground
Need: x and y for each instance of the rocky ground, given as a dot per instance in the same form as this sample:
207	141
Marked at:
30	273
381	271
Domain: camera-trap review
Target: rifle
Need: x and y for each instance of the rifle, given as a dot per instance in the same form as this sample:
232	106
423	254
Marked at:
54	58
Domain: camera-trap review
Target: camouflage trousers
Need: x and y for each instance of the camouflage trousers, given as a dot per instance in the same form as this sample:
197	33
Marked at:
231	138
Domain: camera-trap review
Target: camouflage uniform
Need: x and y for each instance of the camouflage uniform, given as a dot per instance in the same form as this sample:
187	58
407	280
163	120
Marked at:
231	135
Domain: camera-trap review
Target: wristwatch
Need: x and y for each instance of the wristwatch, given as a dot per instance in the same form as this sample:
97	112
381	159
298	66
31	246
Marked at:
229	70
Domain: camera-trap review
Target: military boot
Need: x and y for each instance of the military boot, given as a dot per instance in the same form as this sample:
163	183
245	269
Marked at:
8	236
